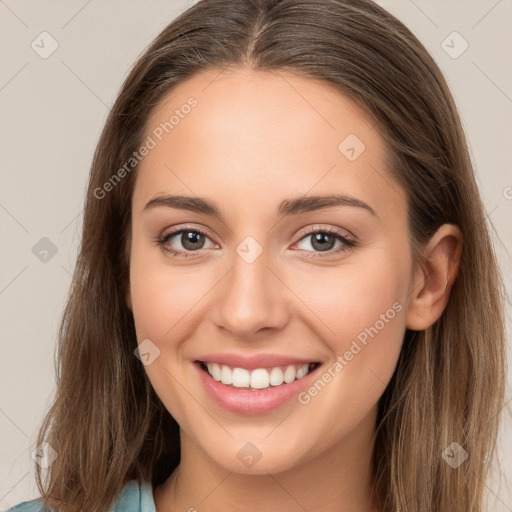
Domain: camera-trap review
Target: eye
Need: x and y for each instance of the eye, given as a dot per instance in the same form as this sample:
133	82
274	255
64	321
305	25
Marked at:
324	240
191	240
321	239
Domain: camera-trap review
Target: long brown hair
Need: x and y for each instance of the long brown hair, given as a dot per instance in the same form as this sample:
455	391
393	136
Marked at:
107	424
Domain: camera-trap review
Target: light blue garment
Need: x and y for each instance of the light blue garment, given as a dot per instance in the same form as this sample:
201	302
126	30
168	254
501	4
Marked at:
133	498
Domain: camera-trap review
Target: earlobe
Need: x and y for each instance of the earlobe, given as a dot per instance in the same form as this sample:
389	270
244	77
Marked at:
433	281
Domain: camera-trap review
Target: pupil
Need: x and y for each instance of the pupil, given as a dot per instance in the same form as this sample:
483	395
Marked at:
324	241
192	240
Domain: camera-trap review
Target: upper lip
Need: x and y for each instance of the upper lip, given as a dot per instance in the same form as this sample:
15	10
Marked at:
254	361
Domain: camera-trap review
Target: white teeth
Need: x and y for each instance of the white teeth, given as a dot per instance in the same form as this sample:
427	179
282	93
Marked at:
241	378
260	378
289	374
226	375
276	377
214	370
302	371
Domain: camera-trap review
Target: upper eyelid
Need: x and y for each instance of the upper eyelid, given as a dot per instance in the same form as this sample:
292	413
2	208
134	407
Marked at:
175	230
319	228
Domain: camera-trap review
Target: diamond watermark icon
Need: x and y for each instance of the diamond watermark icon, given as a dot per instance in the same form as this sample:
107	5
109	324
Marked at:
454	455
351	147
44	250
44	455
249	454
454	45
249	249
147	352
44	45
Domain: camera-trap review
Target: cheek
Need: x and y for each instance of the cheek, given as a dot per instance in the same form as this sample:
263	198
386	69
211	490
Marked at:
162	301
152	299
162	292
370	305
352	298
365	351
360	308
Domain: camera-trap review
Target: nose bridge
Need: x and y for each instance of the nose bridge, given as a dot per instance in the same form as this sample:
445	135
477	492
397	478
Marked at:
251	297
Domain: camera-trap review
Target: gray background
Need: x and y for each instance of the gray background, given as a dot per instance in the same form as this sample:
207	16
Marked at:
52	112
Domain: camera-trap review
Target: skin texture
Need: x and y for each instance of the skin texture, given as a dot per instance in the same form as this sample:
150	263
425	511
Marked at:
254	139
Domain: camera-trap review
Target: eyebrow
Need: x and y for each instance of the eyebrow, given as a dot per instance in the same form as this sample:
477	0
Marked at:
286	207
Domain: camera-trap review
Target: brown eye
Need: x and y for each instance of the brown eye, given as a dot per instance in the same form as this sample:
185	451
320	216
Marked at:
326	240
183	242
192	240
322	241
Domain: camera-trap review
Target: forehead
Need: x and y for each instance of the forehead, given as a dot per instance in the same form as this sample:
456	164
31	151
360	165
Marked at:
268	135
245	103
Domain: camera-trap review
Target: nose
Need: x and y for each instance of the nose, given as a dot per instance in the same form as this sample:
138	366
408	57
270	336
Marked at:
252	298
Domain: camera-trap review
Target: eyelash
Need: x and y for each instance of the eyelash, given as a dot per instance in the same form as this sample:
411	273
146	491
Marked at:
348	244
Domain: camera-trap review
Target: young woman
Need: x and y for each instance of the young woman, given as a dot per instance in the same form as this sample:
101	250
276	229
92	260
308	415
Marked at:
286	296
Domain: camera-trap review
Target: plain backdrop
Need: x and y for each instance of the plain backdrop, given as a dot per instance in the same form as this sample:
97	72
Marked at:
52	110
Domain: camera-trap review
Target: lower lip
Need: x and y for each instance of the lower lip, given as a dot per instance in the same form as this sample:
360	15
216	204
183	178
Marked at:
246	401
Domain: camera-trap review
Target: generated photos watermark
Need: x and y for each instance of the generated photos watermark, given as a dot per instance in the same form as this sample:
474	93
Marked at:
150	143
355	348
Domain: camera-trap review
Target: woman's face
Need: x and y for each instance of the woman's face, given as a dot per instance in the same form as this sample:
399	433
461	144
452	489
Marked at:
265	268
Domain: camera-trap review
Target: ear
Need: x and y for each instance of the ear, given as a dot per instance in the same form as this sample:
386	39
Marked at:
433	280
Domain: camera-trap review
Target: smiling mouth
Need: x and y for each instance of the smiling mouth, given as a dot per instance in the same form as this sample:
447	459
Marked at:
258	378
